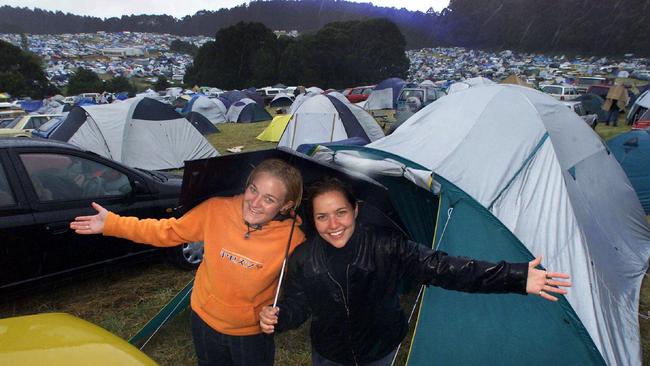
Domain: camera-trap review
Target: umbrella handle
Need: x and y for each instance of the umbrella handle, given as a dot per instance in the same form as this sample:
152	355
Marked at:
284	262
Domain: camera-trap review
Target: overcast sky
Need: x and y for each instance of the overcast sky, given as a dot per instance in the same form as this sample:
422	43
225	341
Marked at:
178	9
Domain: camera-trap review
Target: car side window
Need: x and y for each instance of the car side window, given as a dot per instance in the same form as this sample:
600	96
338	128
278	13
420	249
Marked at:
6	195
59	177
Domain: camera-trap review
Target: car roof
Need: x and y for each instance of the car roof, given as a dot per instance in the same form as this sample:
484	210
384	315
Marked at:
8	142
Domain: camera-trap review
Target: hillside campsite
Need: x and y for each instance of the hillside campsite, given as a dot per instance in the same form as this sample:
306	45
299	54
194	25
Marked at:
456	194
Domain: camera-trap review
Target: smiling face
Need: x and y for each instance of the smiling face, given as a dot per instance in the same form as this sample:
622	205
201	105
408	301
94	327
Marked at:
334	217
264	198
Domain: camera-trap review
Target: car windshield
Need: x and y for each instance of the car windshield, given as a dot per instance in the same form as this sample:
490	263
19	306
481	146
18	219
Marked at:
645	116
13	123
4	123
590	81
552	89
49	124
411	93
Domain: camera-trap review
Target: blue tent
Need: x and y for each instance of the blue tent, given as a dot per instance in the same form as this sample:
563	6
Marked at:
385	94
31	105
632	150
230	97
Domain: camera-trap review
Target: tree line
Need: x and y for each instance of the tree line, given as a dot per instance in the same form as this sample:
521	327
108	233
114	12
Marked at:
301	15
339	55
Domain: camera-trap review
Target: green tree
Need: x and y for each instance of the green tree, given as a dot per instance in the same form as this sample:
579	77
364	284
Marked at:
183	47
119	84
85	81
21	73
162	83
346	53
242	55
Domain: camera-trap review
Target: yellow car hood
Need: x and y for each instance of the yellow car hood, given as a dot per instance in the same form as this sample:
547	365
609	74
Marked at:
62	339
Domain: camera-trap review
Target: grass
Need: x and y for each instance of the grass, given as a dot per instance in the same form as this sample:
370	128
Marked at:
123	298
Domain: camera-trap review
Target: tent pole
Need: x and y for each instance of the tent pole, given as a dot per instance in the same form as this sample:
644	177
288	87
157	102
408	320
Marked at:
333	124
295	125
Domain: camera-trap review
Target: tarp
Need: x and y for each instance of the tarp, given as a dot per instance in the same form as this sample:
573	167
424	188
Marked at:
139	132
274	130
516	173
515	80
632	151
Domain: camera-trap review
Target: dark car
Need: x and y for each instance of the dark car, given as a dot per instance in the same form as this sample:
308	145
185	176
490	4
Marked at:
600	90
44	184
358	94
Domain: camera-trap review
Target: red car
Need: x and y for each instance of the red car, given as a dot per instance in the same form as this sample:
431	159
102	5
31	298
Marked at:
358	94
643	123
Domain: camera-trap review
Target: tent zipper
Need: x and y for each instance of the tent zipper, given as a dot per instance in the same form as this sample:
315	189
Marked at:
345	304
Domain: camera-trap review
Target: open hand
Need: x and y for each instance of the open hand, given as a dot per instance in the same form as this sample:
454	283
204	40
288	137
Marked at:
268	319
90	224
543	283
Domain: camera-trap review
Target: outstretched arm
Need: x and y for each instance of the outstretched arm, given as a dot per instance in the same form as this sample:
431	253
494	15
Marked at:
93	224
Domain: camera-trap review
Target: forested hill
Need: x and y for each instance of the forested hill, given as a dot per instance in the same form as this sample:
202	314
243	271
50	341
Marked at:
301	15
599	27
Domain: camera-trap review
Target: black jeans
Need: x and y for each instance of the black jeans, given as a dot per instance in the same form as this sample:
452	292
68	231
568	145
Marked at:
218	349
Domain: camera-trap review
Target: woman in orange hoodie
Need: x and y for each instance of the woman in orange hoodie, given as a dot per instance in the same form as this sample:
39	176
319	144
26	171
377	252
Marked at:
245	240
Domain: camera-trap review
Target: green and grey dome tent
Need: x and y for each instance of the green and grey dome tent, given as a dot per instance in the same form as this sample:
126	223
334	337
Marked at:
513	173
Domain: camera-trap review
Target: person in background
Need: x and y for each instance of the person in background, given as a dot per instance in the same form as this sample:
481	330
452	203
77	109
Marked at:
615	102
245	239
347	279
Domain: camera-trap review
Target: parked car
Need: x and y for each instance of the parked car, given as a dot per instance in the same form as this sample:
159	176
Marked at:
643	123
4	122
269	93
48	128
411	100
576	106
600	90
583	83
560	92
10	110
24	125
63	339
45	184
358	94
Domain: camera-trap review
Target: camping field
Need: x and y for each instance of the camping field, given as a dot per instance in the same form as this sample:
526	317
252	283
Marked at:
121	299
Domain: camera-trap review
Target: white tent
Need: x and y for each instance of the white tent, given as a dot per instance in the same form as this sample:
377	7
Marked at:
139	132
325	118
550	180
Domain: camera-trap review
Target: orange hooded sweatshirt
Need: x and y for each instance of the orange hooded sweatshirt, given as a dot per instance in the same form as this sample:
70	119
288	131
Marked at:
238	276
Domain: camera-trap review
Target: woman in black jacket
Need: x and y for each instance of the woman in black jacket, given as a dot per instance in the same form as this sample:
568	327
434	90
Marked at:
347	279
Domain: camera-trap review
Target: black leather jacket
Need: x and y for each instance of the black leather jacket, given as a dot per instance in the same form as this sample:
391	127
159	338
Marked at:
361	320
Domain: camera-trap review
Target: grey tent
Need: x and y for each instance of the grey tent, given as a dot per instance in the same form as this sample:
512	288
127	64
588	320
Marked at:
139	132
211	108
324	118
247	110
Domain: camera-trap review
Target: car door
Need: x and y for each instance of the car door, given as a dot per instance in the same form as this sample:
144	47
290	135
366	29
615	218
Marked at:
18	257
60	186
